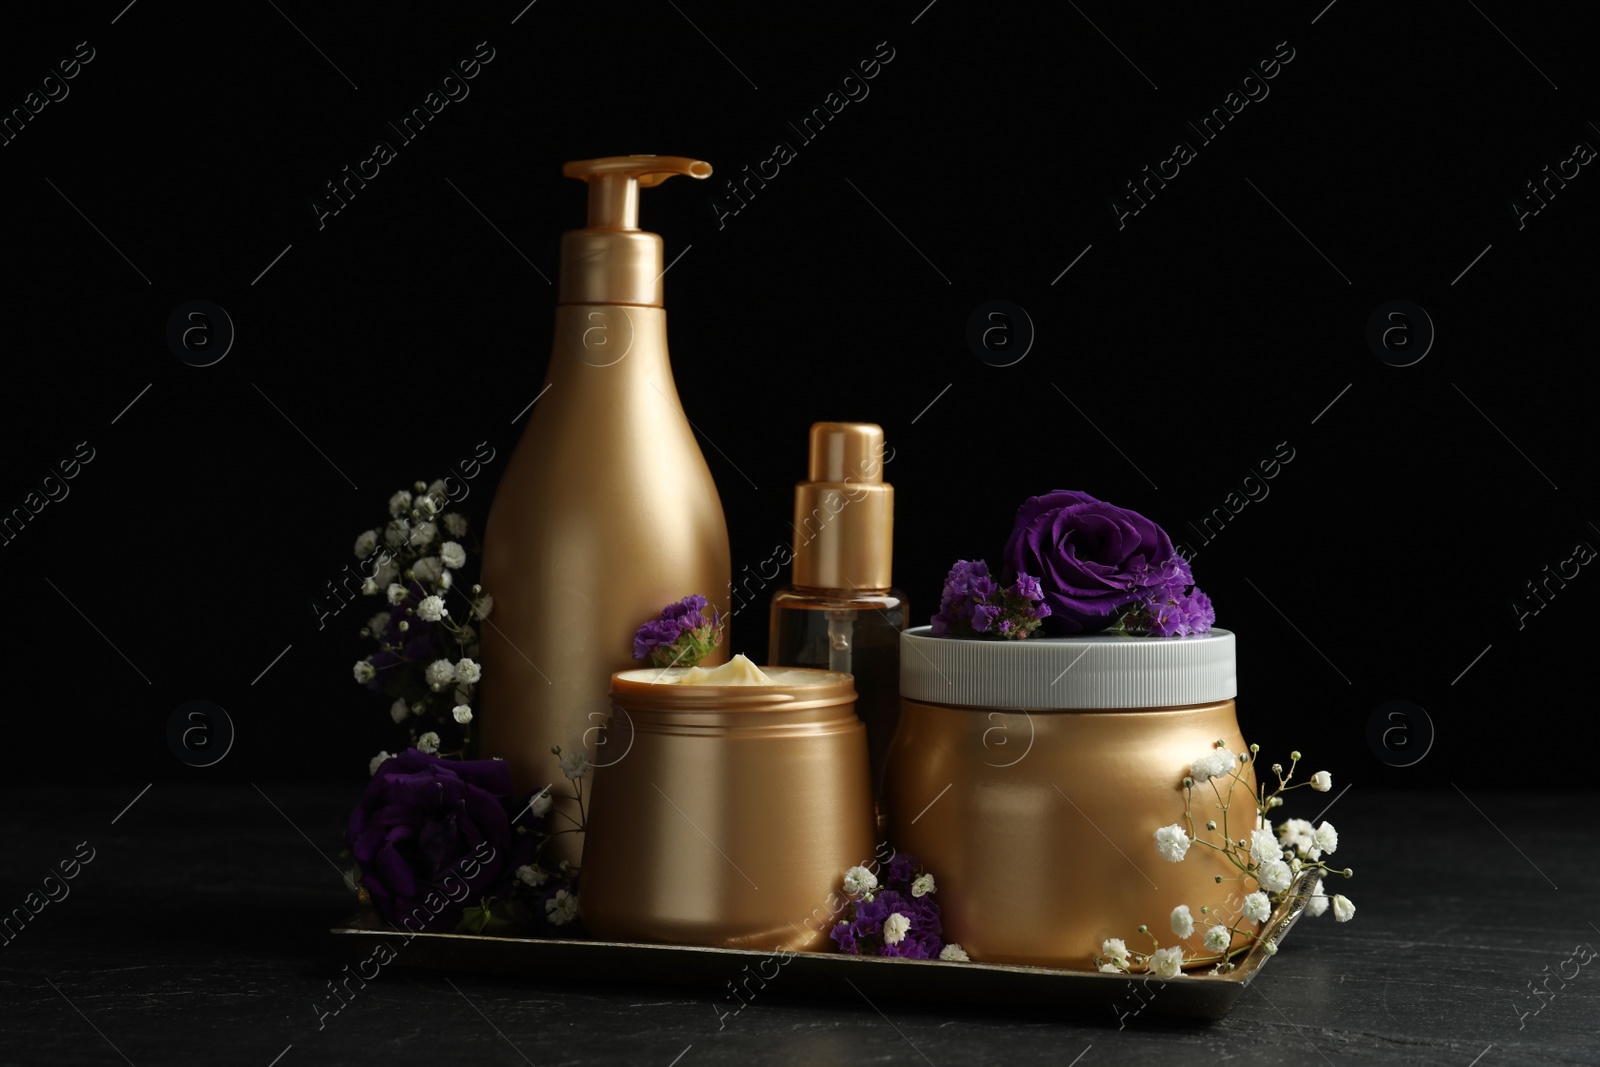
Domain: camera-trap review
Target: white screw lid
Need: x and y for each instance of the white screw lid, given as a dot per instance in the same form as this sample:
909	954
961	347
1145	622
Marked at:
1084	671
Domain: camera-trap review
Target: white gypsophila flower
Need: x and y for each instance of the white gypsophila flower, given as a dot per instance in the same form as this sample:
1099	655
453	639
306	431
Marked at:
1274	876
440	673
387	572
895	928
432	609
1296	834
428	742
400	503
423	534
922	886
1206	767
366	543
395	534
1213	763
1256	907
399	710
1264	846
436	489
377	761
1182	921
364	672
461	713
379	623
1167	962
428	570
858	880
1322	781
1342	908
1116	950
396	592
1172	842
428	503
954	953
540	806
1270	947
467	635
1110	968
468	671
369	587
1326	838
1218	939
530	875
1318	904
561	908
456	524
453	554
446	580
483	606
575	764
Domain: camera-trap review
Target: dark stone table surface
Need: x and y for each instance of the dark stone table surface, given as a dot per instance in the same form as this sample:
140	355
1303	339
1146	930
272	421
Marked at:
198	934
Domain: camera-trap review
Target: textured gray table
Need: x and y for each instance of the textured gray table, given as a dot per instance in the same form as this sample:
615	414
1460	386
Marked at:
197	935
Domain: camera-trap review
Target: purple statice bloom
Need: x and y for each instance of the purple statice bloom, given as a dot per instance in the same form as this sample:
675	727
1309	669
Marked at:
1197	609
922	939
686	616
1027	587
1164	617
657	633
900	871
967	585
984	616
844	936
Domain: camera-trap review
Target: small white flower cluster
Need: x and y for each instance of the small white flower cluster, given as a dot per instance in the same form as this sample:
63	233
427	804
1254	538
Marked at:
860	882
1272	858
411	562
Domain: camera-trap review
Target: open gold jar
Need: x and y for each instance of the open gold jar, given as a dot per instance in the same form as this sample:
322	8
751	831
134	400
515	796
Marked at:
1030	778
733	813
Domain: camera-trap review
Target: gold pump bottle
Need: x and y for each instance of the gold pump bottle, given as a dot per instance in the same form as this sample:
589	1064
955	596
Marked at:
606	511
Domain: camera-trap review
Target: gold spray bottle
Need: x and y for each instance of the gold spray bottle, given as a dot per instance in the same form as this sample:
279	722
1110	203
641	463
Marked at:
606	512
842	612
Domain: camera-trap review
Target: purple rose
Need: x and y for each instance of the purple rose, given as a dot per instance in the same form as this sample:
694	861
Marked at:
433	835
1093	559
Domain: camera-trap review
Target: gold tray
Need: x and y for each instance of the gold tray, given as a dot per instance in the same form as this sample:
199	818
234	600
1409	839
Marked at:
917	983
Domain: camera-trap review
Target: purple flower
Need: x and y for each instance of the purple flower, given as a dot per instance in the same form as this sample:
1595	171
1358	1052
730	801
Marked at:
861	933
900	871
974	603
433	835
681	636
1094	559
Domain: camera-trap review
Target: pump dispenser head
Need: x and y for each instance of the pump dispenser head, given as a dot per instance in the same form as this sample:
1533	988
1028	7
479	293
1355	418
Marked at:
844	512
611	260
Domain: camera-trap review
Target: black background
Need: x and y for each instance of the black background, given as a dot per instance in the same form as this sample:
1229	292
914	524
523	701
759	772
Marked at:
1176	354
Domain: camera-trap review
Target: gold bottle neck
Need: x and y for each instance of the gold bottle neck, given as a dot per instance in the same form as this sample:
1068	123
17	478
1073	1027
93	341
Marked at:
624	340
610	266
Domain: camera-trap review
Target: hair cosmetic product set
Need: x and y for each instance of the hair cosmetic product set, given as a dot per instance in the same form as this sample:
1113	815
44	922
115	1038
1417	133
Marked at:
728	800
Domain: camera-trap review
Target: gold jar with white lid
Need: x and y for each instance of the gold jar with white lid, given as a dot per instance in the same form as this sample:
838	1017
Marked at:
1030	777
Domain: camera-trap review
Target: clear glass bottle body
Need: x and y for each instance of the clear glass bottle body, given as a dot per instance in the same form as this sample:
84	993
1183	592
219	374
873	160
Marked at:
851	631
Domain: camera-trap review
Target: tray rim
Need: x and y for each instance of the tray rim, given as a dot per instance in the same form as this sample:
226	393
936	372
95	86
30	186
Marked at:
454	951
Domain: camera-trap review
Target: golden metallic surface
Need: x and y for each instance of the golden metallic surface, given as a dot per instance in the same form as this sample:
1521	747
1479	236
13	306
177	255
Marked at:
844	512
606	513
731	819
1039	827
612	261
